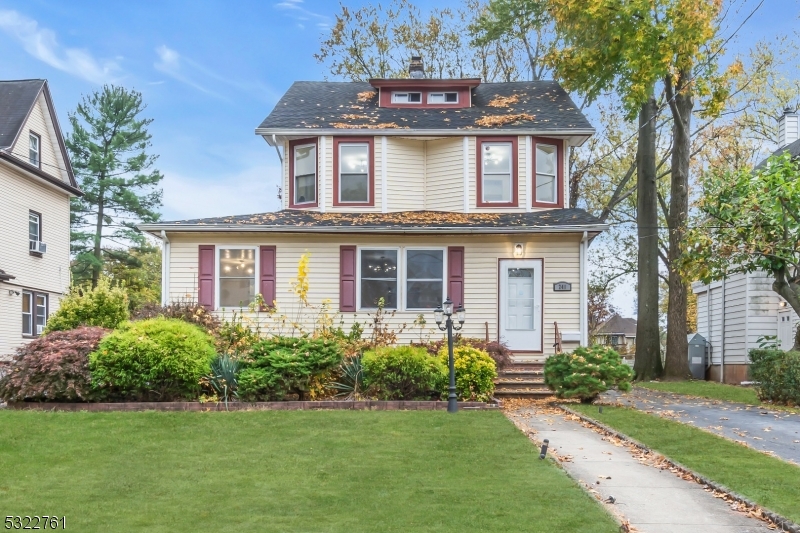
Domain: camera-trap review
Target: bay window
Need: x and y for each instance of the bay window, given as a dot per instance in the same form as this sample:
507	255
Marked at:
497	171
353	173
303	173
237	276
548	161
34	313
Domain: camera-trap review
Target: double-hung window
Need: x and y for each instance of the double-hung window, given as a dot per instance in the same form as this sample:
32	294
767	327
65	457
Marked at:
237	276
34	313
547	172
353	172
409	278
497	172
303	173
34	227
34	149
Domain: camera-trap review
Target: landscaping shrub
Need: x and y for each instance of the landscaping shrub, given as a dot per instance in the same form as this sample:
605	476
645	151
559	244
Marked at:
498	351
104	306
777	374
475	373
279	366
402	373
586	372
53	368
223	380
161	359
188	311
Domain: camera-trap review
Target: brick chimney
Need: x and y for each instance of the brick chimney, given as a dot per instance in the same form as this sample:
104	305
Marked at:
788	127
415	68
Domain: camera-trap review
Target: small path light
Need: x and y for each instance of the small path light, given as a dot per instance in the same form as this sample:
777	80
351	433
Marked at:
544	449
439	314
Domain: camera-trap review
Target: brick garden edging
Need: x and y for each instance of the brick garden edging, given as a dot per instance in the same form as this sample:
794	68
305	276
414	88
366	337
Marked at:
784	523
366	405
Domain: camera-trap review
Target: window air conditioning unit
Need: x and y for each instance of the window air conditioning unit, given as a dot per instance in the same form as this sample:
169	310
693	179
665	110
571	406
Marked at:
38	246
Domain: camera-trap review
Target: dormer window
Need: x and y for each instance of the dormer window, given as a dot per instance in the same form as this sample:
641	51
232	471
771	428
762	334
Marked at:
443	98
34	143
406	98
303	173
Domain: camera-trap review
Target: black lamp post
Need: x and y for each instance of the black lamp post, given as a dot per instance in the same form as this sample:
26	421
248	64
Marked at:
446	310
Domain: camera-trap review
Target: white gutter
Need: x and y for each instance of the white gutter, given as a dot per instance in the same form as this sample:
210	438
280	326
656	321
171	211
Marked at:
584	295
205	228
165	257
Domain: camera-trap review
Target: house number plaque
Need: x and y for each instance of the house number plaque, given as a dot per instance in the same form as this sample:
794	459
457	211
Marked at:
562	286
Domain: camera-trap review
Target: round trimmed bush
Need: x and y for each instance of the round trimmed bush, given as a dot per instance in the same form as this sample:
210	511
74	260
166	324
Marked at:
402	373
158	359
475	373
585	373
53	368
104	306
777	374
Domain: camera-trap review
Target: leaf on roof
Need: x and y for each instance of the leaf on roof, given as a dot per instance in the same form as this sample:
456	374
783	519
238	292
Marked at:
504	101
351	116
407	217
380	126
366	96
503	120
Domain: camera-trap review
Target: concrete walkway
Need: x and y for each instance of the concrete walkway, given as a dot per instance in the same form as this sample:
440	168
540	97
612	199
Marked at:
651	499
768	430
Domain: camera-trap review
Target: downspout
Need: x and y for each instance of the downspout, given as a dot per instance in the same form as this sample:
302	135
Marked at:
165	251
722	336
584	296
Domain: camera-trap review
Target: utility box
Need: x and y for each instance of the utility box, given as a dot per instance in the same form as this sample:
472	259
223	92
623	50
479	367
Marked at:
698	352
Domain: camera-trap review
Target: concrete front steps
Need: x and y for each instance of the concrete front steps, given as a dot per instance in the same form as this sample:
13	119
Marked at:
522	379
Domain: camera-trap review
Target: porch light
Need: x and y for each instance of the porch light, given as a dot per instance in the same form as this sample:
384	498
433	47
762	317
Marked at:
438	315
519	249
461	314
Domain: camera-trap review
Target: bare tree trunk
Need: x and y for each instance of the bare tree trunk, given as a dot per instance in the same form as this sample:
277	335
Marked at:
676	365
648	348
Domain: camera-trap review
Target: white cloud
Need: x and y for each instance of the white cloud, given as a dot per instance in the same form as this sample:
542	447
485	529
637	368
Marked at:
252	190
41	43
172	64
295	9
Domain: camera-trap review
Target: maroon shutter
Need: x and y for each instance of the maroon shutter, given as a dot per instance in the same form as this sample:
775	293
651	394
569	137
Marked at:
455	274
267	267
347	278
205	275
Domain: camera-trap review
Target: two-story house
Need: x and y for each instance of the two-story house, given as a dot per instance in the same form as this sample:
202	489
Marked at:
36	184
410	190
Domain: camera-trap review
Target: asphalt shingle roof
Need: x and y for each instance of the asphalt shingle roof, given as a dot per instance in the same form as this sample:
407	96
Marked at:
327	105
792	148
16	99
398	220
618	325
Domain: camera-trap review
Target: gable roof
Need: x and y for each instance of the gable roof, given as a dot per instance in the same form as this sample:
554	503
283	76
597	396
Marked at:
311	107
17	99
617	325
554	220
792	148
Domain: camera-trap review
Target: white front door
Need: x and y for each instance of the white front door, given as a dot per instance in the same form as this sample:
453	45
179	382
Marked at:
520	313
786	328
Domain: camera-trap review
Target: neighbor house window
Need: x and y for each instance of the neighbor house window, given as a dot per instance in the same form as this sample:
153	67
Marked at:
443	98
353	173
34	226
406	98
34	147
237	277
424	275
547	172
34	313
303	173
378	278
497	172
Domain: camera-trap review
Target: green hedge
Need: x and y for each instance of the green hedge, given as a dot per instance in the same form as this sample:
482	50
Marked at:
475	373
157	359
777	374
402	373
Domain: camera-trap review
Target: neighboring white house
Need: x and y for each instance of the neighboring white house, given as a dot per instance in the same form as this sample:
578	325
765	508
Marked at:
409	190
36	184
736	313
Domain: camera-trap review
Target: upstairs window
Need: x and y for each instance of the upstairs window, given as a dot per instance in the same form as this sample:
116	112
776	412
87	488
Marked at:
303	173
34	144
353	178
443	98
497	172
406	98
547	172
34	226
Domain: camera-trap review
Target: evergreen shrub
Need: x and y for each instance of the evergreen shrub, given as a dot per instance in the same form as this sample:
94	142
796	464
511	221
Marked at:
777	374
402	373
586	372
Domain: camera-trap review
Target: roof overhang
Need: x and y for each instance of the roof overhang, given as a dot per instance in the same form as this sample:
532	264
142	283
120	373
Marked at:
156	229
38	174
576	137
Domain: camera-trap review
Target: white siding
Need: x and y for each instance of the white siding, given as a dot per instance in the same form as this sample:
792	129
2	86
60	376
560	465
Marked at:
763	306
445	175
39	123
482	253
405	165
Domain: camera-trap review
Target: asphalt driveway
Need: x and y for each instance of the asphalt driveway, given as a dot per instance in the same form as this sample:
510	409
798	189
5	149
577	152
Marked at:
772	431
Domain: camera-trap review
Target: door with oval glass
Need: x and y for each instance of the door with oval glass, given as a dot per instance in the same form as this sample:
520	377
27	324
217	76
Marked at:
520	305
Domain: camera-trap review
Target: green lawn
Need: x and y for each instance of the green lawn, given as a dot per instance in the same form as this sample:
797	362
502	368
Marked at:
770	482
298	471
705	389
